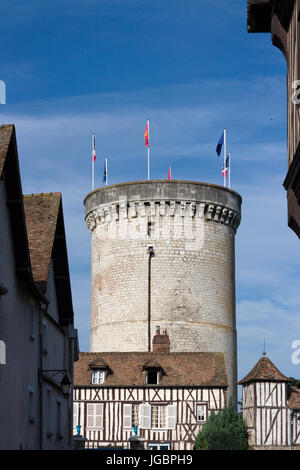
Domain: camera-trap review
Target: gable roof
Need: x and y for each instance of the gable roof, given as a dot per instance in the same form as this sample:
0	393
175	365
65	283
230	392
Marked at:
10	174
47	241
41	213
265	371
181	369
7	132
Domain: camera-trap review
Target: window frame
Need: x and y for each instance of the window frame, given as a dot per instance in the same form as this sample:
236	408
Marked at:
198	404
95	415
159	445
160	407
97	372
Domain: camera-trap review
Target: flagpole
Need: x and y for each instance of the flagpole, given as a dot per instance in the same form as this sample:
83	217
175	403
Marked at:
225	150
229	169
148	122
106	171
93	162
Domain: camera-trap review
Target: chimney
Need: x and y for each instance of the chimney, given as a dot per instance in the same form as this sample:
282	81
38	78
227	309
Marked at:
161	343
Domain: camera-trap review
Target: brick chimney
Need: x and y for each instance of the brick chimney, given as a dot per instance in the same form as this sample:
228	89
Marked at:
161	343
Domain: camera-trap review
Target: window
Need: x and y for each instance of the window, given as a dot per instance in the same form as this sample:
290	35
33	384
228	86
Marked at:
98	376
152	377
75	416
131	415
147	416
159	417
164	446
95	415
135	415
201	412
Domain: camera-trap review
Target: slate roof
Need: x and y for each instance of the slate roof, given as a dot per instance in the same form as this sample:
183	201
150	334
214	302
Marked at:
181	369
264	370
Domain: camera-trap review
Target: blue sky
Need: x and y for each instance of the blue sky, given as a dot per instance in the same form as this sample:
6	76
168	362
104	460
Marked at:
73	68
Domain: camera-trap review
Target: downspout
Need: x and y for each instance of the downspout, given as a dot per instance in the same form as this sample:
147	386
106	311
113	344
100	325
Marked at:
151	255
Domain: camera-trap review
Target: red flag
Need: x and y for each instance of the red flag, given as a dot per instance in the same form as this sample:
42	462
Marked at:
224	171
146	135
169	174
94	149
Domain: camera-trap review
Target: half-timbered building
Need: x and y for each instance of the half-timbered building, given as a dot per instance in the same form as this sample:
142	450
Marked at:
160	398
271	407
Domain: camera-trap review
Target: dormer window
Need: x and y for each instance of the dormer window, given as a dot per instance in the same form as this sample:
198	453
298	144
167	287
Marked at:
153	372
153	377
98	376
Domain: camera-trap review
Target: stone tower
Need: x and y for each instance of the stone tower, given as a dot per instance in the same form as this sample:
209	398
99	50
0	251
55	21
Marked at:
163	254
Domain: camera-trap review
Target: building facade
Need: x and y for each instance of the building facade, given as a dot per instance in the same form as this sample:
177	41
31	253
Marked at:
281	19
158	400
163	253
271	408
38	341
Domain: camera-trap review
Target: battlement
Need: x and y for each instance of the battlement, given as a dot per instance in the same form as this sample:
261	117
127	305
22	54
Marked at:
163	199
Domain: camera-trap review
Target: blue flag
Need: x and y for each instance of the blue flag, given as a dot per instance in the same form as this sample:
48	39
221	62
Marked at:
104	174
228	161
220	145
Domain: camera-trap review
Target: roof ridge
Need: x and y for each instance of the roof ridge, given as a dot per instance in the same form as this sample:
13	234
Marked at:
42	194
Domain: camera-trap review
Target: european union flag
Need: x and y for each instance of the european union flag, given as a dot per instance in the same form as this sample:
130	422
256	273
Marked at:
220	145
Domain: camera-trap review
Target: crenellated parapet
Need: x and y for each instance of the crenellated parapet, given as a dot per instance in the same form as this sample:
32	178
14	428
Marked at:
111	213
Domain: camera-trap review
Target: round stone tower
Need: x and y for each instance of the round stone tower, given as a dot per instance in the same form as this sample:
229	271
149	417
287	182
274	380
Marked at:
163	255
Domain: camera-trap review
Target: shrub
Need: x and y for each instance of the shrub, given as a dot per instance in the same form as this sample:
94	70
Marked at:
223	431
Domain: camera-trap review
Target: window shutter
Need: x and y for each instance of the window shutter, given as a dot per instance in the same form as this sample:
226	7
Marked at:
145	416
99	415
172	415
75	415
127	414
90	415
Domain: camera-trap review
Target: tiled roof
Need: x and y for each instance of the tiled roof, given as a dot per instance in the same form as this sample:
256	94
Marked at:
41	213
6	132
264	370
181	369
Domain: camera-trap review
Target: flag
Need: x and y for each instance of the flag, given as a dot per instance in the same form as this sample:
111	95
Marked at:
104	174
220	145
169	174
93	151
227	165
146	135
228	161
